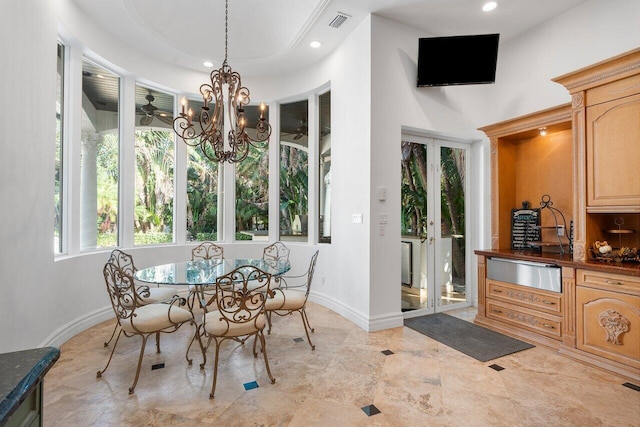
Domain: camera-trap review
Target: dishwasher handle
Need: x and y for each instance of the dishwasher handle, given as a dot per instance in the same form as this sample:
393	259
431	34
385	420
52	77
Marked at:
530	263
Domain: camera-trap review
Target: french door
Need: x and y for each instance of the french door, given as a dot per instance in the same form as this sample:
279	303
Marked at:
435	263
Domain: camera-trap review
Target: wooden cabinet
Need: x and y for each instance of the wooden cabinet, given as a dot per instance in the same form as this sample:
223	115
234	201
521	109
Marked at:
613	154
589	164
606	134
608	316
595	319
526	312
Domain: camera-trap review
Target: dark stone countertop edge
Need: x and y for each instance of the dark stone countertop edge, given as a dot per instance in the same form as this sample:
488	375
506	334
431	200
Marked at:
566	260
21	371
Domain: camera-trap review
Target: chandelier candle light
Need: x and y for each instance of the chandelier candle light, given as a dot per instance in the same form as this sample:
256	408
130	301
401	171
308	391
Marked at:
210	138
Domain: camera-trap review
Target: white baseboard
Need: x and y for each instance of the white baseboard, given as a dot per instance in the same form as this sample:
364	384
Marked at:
77	325
369	325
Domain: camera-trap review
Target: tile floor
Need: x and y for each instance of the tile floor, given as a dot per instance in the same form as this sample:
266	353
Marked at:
395	377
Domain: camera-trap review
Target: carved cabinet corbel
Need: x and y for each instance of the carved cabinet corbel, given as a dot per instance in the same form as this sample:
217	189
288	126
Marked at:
608	316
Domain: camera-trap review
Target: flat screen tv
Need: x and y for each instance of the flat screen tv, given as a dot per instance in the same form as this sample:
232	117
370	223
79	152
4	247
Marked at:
457	60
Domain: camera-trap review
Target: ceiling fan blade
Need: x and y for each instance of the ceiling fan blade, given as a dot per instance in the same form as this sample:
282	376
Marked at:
166	118
146	120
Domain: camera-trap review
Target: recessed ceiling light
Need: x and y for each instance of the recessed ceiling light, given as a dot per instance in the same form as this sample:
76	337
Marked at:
207	64
489	6
315	44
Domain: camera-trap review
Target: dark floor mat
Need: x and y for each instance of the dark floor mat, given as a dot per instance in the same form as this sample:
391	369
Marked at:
473	340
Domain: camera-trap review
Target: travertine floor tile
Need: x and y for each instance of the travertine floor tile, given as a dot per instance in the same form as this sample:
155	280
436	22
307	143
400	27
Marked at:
422	383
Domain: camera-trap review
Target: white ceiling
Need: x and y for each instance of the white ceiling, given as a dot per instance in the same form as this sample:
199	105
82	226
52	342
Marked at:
273	36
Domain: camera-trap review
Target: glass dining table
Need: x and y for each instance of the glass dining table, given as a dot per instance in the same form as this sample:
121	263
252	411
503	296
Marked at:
205	272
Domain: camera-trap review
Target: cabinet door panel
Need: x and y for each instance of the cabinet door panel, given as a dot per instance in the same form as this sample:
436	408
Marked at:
608	324
613	153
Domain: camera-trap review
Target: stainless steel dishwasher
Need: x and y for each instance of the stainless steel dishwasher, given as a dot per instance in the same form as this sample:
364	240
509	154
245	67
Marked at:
525	273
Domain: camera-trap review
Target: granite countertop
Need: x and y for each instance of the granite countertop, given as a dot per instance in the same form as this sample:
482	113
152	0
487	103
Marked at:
20	373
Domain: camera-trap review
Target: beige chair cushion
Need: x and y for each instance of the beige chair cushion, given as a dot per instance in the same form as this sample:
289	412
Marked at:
285	299
155	317
214	325
159	295
156	295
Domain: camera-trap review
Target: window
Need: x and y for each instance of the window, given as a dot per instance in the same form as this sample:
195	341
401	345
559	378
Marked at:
294	171
99	157
58	189
202	191
155	154
149	181
325	167
252	185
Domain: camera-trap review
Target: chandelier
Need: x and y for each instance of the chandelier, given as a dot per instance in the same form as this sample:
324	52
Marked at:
225	89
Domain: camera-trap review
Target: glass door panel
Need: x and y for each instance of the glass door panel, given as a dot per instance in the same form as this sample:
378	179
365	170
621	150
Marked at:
452	258
414	243
434	261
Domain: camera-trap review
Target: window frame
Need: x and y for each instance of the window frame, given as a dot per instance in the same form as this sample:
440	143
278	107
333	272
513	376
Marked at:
62	144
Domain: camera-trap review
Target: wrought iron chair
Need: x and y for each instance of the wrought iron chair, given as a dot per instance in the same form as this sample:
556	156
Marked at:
204	251
134	315
207	250
291	295
235	312
148	295
277	251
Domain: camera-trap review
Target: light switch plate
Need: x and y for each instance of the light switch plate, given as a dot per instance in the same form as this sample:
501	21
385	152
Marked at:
382	193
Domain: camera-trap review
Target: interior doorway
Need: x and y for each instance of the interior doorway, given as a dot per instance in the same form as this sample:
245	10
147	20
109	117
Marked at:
435	265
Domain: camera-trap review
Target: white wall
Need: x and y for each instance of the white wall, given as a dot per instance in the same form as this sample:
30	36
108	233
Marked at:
46	301
27	136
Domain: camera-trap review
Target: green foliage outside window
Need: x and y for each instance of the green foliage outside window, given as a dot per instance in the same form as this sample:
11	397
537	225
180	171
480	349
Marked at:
107	176
202	197
154	184
414	190
294	186
252	191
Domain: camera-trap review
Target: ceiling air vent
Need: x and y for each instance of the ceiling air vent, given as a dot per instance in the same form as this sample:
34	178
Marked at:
339	20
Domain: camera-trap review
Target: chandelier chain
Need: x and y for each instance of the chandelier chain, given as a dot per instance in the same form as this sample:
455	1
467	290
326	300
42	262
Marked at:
226	26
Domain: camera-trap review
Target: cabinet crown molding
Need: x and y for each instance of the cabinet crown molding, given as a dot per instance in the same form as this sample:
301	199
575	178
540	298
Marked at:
555	116
616	68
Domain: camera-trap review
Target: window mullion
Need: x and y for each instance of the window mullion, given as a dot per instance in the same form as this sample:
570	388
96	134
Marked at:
126	212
